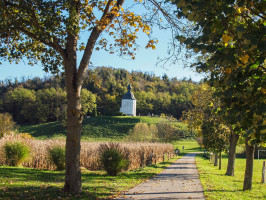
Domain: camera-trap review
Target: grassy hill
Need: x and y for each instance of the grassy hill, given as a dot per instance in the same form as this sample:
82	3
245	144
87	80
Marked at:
96	128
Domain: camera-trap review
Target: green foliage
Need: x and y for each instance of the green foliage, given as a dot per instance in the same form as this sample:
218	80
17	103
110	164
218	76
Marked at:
232	35
57	155
44	100
16	152
88	102
20	102
215	136
6	124
113	158
143	132
204	118
170	130
43	105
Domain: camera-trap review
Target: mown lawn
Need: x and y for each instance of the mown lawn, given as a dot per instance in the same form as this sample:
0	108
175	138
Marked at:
219	186
190	146
28	183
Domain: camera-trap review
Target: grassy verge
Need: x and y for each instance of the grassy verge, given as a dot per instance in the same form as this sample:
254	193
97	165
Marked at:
218	186
190	146
27	183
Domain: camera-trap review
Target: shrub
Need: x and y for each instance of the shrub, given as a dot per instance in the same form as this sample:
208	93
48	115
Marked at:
57	156
113	158
16	152
142	132
167	131
6	123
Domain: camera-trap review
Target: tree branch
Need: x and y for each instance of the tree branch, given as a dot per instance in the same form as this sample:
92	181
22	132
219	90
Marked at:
165	14
93	38
53	44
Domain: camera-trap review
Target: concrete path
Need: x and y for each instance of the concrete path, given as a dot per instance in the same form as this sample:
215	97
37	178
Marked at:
178	181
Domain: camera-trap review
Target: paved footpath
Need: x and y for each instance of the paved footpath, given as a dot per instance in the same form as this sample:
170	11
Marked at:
178	181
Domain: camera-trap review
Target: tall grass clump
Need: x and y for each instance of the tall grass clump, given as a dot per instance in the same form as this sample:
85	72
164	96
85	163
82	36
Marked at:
113	158
16	152
139	154
57	156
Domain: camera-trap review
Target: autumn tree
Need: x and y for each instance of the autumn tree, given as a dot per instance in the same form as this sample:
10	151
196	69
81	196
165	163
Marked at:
6	124
50	31
231	40
204	118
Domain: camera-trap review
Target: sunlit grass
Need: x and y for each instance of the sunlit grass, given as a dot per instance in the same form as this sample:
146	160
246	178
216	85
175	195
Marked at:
190	146
219	186
28	183
101	128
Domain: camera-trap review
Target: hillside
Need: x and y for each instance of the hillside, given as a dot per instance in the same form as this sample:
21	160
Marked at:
38	100
99	128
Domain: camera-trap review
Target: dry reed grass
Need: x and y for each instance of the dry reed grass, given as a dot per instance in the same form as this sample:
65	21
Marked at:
138	154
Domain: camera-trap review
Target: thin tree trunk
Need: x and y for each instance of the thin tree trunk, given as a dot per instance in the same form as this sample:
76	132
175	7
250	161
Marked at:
220	160
249	166
232	154
263	172
215	159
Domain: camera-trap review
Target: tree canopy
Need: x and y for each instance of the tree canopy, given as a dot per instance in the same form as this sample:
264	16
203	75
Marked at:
231	40
50	31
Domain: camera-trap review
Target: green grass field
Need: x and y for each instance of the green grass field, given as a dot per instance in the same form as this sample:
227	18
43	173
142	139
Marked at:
27	183
219	186
94	129
190	146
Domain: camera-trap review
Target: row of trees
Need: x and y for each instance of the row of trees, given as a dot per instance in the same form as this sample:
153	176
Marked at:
42	100
230	35
44	105
231	41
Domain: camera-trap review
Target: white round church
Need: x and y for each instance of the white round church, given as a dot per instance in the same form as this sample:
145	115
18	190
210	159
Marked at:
129	103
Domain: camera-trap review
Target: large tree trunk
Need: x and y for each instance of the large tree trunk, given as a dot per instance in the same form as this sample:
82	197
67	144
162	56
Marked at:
74	125
232	154
249	166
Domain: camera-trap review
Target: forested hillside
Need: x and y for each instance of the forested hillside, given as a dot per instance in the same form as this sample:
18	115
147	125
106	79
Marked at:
42	100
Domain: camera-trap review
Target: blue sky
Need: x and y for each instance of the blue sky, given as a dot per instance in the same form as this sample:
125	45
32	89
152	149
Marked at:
145	61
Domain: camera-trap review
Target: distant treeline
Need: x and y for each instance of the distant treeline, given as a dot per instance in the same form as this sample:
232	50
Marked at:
39	100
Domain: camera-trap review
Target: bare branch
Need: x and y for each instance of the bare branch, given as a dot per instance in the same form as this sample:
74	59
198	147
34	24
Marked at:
165	14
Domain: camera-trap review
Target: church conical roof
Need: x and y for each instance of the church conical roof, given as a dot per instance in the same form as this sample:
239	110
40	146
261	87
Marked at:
129	94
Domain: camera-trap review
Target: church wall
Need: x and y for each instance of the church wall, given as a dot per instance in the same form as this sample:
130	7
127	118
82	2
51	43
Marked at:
128	107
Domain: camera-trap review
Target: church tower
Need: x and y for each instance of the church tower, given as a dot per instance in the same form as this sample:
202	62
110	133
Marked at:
129	103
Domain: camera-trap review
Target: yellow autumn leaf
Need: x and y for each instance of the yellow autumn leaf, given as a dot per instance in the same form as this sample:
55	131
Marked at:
228	70
263	90
82	48
244	59
225	39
